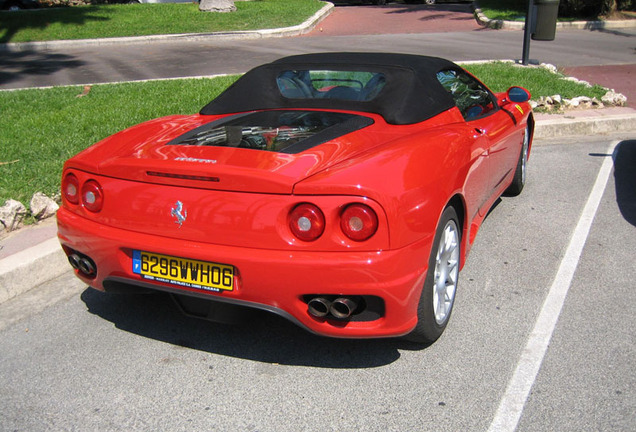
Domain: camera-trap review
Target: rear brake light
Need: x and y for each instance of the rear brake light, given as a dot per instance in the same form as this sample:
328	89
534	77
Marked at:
71	189
359	222
92	196
307	222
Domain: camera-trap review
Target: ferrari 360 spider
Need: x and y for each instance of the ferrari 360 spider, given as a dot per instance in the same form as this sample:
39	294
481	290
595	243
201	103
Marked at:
342	191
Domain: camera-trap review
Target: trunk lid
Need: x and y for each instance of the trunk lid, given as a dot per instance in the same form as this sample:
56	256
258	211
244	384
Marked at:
262	152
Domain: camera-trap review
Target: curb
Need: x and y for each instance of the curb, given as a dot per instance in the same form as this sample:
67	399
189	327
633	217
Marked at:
296	30
556	126
44	261
484	21
31	267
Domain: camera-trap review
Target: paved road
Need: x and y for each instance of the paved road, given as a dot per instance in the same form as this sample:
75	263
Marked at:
76	359
621	77
395	18
93	64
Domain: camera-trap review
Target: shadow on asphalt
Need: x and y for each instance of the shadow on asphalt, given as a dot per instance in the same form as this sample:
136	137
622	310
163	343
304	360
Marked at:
262	336
625	179
12	22
610	31
14	66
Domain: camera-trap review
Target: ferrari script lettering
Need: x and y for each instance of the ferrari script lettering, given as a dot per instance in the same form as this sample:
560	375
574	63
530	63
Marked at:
189	159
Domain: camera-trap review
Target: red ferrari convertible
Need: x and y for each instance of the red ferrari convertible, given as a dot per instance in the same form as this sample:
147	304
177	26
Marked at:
342	191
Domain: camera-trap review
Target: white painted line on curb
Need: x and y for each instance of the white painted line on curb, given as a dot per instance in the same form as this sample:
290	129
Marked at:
511	406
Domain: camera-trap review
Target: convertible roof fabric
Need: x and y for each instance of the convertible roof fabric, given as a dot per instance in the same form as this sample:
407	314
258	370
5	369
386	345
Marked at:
412	92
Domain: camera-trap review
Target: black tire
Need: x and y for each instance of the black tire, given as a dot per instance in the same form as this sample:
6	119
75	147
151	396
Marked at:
519	180
443	269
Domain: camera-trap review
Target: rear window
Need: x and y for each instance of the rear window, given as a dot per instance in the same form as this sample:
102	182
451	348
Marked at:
330	84
282	131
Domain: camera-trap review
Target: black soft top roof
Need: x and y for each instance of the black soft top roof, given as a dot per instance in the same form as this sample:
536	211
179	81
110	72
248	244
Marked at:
412	92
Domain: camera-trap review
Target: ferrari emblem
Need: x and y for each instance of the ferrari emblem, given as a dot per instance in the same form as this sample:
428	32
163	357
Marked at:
178	212
519	108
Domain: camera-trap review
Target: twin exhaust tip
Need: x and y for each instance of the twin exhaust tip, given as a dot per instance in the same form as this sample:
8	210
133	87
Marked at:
83	264
340	308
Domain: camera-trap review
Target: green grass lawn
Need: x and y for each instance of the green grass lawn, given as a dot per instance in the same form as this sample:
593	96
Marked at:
499	76
116	20
43	127
516	10
507	10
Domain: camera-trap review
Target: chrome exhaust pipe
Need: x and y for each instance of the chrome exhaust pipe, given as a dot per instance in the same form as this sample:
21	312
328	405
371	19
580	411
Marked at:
87	267
74	261
319	307
343	307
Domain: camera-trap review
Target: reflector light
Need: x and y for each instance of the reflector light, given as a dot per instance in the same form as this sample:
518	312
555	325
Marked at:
70	188
92	196
359	222
307	222
304	224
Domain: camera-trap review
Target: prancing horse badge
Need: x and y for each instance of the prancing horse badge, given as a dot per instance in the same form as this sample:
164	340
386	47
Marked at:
178	212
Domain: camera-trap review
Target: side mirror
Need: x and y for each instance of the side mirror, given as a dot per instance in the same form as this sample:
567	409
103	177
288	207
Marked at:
518	94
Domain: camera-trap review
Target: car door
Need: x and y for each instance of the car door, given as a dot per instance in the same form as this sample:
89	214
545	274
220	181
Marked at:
478	181
491	131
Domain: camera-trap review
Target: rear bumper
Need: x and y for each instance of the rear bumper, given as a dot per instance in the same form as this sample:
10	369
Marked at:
272	280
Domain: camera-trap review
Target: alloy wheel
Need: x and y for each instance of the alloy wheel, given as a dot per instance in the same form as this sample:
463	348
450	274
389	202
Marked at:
446	273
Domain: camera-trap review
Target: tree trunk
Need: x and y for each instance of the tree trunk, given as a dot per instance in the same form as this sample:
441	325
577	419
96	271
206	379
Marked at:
610	7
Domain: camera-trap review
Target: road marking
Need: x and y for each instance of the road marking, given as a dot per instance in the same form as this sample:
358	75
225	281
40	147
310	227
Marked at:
512	404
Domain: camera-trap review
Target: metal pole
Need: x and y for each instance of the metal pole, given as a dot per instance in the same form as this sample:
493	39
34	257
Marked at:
527	33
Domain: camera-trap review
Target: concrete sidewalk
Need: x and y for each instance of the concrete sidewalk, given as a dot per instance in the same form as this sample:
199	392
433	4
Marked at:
32	255
29	257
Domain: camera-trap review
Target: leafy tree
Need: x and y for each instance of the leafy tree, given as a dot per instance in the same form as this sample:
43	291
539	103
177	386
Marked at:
594	8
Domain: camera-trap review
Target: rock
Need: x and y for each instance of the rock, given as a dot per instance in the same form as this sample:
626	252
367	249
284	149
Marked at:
217	6
549	67
577	81
581	102
42	207
614	99
11	215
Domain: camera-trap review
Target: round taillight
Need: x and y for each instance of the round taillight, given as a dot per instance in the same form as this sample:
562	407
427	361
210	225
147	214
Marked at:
92	196
71	189
307	222
358	222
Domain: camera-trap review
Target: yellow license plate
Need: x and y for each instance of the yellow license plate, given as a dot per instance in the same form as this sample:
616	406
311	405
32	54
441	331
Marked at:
183	271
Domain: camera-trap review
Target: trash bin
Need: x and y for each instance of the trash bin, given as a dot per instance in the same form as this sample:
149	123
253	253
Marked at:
545	19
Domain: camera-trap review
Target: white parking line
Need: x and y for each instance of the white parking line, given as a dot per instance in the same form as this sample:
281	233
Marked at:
511	405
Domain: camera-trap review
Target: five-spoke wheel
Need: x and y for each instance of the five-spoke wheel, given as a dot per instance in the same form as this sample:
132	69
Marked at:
440	285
